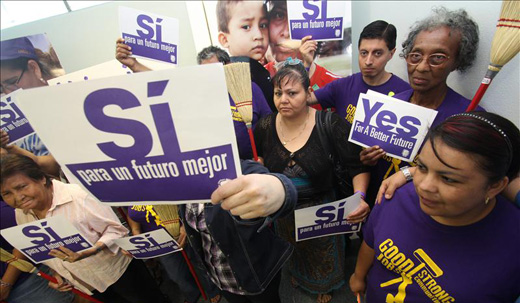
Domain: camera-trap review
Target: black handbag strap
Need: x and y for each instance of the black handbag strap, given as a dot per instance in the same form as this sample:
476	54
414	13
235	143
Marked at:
325	133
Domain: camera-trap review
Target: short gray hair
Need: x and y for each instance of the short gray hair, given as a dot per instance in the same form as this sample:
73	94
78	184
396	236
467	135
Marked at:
457	20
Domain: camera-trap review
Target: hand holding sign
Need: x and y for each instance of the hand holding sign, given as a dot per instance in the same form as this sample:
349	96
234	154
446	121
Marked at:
370	155
251	196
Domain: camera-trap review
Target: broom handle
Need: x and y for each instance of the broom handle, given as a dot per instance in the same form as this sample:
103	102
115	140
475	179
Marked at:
74	290
478	96
490	74
190	266
253	145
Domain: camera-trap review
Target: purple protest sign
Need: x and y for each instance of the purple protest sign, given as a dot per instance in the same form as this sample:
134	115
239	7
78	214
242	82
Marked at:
161	137
327	219
12	120
38	238
149	245
150	35
323	20
384	121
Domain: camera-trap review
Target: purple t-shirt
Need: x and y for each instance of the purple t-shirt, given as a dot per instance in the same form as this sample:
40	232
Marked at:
146	216
260	109
343	93
8	219
452	104
473	263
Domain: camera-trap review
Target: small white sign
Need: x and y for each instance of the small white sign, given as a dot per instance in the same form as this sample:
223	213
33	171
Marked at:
149	245
326	219
36	239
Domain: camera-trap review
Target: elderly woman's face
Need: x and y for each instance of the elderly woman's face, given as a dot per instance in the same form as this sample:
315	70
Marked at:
20	191
451	195
423	77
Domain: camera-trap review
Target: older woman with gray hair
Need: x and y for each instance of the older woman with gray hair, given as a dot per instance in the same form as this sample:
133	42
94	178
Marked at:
436	46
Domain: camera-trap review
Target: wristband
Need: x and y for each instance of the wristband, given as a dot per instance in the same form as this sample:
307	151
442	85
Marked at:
5	284
363	195
406	172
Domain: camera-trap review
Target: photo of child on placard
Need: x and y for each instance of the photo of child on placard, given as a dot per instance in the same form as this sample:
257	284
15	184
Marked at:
334	56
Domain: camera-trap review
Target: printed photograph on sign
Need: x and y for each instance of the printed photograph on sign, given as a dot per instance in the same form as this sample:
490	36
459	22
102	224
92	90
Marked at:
333	55
326	219
30	56
162	136
149	245
150	35
36	239
398	127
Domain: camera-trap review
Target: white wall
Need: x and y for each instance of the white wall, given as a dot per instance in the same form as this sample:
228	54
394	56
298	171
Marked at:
87	37
503	95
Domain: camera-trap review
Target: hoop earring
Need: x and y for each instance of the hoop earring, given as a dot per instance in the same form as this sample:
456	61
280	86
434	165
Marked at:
487	200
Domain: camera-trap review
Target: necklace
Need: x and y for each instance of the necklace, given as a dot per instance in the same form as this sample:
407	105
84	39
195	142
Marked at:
284	141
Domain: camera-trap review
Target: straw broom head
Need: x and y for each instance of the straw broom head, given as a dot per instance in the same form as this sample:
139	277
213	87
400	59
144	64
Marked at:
506	41
170	219
22	265
238	79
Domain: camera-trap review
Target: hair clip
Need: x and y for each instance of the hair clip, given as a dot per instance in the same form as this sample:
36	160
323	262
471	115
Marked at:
291	61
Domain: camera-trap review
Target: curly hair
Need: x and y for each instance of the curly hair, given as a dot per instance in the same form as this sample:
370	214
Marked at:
210	51
457	20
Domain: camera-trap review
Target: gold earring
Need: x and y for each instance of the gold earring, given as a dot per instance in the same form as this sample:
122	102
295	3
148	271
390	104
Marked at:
487	200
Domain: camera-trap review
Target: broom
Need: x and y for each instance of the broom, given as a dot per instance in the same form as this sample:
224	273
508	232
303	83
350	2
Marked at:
169	216
25	266
238	79
505	45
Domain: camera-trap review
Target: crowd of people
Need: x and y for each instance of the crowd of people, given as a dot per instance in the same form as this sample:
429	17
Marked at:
442	228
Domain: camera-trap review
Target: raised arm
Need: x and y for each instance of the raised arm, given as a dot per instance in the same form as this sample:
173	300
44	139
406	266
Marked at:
123	53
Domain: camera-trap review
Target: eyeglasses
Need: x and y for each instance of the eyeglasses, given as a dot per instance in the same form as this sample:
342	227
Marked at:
13	85
432	60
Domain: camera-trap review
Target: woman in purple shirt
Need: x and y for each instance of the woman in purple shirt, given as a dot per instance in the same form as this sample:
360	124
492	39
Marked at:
449	237
436	46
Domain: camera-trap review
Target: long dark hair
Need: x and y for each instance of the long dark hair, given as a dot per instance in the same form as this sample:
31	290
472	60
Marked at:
493	139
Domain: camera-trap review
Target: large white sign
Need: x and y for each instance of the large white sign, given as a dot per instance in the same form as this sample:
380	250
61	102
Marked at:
36	239
147	138
397	126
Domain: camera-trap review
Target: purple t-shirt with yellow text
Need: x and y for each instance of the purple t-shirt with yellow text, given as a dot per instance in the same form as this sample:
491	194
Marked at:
418	259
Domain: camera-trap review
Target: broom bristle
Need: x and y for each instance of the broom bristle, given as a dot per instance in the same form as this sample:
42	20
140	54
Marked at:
22	265
238	79
506	41
170	219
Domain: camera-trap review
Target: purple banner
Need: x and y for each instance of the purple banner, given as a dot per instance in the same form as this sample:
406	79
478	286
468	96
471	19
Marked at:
180	176
390	142
320	29
153	49
327	228
40	252
13	120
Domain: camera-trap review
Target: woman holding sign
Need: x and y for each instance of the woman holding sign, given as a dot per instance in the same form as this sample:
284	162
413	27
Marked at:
289	143
449	236
101	270
435	47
